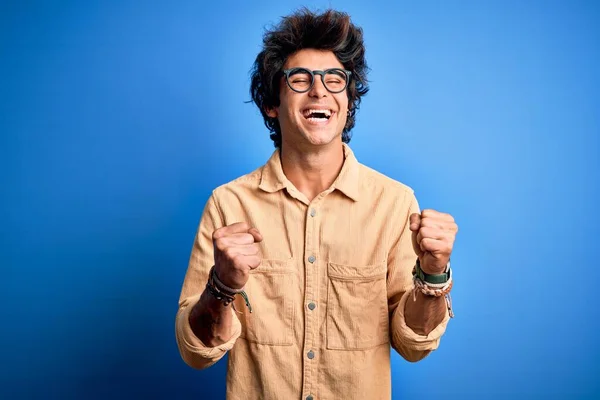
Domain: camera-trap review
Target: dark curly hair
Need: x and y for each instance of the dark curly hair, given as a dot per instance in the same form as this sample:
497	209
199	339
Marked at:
331	30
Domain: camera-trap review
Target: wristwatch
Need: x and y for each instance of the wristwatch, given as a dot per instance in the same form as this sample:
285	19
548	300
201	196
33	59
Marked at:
435	279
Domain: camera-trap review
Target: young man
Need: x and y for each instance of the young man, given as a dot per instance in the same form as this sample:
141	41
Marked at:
303	269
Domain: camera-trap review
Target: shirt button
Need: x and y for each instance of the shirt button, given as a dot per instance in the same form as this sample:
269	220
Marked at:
311	259
313	212
311	306
311	355
309	397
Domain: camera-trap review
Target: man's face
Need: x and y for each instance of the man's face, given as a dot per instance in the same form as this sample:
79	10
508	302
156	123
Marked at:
297	123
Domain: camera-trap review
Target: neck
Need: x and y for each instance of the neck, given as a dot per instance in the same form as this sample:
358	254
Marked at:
312	170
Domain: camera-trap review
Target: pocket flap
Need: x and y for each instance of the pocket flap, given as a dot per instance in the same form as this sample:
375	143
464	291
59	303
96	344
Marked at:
274	266
351	272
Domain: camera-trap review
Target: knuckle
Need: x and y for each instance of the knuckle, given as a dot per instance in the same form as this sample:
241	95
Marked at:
433	231
229	254
244	225
235	260
238	261
220	245
428	212
255	262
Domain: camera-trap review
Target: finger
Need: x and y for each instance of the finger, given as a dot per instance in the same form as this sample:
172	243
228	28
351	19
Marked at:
256	234
446	238
439	224
433	233
251	250
414	227
415	221
432	223
254	261
429	213
238	227
237	239
435	246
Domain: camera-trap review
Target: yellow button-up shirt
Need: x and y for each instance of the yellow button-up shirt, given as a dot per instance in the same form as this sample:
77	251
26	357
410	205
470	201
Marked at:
328	298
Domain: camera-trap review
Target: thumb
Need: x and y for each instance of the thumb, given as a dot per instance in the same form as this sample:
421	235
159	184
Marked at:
415	225
256	234
415	222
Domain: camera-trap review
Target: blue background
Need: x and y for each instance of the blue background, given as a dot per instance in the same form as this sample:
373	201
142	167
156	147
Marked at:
118	119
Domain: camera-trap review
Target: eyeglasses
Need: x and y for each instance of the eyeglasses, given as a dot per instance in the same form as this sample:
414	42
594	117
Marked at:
301	80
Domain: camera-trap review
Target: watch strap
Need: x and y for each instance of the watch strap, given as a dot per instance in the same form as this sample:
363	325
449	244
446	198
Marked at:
435	279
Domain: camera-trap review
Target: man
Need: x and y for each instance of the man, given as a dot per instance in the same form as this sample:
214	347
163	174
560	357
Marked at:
303	269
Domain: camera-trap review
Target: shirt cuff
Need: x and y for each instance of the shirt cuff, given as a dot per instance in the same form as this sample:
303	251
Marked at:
404	335
193	351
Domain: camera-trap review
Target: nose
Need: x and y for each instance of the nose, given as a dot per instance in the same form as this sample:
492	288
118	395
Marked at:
318	88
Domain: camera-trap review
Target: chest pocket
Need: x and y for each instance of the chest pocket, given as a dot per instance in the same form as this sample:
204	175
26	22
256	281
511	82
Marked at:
357	310
269	289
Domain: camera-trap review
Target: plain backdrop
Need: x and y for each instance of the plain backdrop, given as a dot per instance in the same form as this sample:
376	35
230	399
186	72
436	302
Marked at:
117	119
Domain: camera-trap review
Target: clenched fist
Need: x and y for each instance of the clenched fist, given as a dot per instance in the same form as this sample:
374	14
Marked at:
433	235
236	252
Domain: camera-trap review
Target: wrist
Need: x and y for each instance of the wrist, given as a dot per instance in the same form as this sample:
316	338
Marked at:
433	269
210	320
211	304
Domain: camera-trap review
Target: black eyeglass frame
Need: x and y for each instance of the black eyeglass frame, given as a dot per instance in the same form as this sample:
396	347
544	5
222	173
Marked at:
288	72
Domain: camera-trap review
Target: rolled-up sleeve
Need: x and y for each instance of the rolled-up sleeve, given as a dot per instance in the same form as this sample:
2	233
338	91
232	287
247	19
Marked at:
410	345
191	348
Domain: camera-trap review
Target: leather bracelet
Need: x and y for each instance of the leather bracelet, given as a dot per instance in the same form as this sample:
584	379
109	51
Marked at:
222	287
222	297
224	293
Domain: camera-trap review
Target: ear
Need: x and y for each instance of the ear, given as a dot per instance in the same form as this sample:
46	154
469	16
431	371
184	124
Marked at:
272	112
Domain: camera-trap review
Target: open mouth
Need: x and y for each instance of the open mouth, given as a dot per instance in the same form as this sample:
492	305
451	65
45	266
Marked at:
317	115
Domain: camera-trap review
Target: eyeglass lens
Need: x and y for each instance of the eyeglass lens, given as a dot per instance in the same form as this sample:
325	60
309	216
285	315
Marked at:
301	80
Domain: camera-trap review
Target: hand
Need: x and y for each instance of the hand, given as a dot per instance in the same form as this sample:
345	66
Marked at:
433	235
236	252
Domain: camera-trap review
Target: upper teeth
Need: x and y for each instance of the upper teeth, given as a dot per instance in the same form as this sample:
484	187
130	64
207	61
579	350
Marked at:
326	112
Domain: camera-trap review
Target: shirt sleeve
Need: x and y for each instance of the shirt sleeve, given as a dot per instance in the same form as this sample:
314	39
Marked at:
191	348
410	345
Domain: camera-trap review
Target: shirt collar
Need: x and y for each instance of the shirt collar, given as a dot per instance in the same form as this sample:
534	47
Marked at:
273	179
